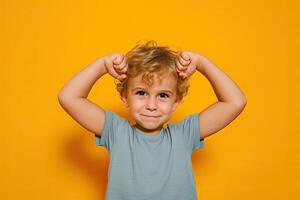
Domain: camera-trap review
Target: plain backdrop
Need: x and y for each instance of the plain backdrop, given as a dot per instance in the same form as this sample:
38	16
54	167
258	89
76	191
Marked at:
46	155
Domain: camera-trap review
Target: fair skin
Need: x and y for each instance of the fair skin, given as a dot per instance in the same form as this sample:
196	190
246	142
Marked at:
231	100
73	96
151	107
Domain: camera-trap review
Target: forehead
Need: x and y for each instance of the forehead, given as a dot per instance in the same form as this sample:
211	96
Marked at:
160	82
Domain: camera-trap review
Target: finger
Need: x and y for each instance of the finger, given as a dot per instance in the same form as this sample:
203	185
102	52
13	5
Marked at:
123	76
185	55
113	73
184	62
123	73
118	59
179	66
181	75
121	66
124	70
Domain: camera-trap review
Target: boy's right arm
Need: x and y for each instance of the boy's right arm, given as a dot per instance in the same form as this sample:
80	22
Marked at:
73	96
86	113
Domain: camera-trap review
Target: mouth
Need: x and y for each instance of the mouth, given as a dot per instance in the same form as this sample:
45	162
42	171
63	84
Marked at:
151	116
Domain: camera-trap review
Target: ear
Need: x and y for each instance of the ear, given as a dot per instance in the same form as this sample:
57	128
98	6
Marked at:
124	99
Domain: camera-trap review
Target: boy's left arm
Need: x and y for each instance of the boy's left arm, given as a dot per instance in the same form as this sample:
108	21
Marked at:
231	100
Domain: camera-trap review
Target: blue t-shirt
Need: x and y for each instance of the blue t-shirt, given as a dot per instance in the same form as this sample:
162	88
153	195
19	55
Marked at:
150	166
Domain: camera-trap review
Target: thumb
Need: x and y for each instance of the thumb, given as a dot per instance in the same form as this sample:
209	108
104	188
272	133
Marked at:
185	55
118	59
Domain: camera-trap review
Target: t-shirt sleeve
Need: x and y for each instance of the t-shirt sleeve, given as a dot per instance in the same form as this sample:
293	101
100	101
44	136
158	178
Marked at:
190	130
110	130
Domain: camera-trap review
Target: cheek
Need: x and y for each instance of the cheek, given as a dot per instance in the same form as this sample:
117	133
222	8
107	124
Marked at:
136	104
166	106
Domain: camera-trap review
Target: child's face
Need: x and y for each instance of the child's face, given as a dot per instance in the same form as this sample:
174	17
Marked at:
151	107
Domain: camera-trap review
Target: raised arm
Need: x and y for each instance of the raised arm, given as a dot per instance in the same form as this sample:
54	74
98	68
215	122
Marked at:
73	96
231	100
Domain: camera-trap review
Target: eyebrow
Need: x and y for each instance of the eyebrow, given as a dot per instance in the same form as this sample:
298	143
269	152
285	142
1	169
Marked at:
145	89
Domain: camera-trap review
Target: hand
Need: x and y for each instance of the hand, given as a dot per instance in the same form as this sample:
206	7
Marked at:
187	63
116	65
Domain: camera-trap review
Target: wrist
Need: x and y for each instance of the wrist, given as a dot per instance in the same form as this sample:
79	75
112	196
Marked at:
201	63
102	67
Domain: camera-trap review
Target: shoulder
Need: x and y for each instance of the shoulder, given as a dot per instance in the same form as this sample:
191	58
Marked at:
109	114
191	119
115	121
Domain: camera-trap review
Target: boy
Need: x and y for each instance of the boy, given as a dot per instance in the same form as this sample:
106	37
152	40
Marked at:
151	159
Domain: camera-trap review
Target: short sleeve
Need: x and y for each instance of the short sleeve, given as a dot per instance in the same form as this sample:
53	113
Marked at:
189	128
110	130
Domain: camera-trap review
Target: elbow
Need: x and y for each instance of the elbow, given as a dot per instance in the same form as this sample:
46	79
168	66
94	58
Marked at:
61	97
242	103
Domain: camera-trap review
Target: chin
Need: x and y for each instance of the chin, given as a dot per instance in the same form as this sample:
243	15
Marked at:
149	124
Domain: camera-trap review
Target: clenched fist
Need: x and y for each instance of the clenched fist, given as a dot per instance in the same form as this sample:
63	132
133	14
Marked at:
115	64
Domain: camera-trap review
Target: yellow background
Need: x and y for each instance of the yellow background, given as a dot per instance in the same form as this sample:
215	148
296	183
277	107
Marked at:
45	154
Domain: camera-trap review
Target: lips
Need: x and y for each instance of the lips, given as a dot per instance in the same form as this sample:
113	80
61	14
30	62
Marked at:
149	116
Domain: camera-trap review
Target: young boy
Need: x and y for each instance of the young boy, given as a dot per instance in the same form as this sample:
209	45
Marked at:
151	159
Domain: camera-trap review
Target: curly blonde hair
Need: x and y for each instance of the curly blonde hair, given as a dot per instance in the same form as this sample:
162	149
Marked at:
149	58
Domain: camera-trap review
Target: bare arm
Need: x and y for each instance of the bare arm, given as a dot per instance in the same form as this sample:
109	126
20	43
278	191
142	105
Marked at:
231	100
81	84
73	97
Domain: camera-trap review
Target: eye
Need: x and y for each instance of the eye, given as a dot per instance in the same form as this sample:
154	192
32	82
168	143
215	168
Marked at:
140	92
164	95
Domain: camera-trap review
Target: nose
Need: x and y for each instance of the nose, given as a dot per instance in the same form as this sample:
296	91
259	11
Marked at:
151	103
